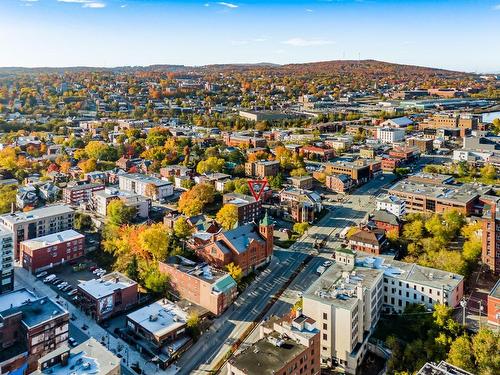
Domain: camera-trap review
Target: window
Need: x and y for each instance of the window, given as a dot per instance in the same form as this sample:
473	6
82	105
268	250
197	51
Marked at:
325	336
325	316
325	326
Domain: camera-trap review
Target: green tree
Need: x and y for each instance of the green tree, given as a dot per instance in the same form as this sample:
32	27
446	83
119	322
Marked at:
7	197
414	230
486	347
193	324
82	221
181	228
298	172
211	165
133	269
461	354
118	213
157	282
489	172
275	182
227	216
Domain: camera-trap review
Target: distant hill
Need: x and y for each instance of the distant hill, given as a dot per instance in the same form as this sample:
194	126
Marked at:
373	68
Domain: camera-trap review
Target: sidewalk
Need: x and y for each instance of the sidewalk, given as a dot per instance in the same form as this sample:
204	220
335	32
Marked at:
24	279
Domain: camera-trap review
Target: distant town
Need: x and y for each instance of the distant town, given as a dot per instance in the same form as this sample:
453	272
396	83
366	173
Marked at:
340	217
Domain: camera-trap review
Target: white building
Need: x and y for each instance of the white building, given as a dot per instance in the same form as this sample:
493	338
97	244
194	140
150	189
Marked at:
390	135
147	186
6	261
392	204
399	122
37	223
345	302
102	198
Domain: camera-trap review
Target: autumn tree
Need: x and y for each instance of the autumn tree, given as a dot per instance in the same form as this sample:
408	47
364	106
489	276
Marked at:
193	201
155	240
210	165
227	216
119	213
181	228
235	271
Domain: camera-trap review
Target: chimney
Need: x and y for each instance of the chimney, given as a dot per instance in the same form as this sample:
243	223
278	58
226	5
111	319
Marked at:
298	313
12	208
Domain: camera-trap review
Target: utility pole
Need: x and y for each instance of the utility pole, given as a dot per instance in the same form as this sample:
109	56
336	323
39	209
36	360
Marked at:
480	310
463	303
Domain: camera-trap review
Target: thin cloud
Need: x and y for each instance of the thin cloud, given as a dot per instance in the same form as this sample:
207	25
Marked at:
309	10
85	3
496	7
228	5
301	42
123	6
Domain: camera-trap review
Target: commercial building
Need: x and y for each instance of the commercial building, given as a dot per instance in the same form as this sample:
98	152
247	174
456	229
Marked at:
424	145
160	330
6	261
317	153
36	223
80	193
438	198
390	135
369	241
493	310
249	210
90	357
465	122
243	140
201	284
248	246
399	122
31	327
360	171
302	182
284	347
101	200
109	295
339	183
264	115
147	186
392	204
491	232
262	168
45	252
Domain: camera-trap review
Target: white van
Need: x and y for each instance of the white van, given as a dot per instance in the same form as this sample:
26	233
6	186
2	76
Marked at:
49	278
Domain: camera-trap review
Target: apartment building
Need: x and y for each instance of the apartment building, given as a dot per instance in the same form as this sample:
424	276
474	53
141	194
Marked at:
102	198
262	168
302	182
285	346
201	284
109	295
45	252
345	303
90	356
369	241
80	192
147	186
339	183
249	210
317	153
465	122
425	146
31	327
409	283
491	232
37	223
6	261
390	135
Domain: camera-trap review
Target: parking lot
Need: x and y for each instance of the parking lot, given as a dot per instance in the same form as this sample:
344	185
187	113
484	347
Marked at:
71	275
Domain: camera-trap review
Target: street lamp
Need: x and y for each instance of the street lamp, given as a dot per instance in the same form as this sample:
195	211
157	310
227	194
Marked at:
463	303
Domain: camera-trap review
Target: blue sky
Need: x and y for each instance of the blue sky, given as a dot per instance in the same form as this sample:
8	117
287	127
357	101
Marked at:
455	34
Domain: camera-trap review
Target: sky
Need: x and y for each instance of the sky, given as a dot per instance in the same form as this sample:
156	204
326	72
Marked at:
454	34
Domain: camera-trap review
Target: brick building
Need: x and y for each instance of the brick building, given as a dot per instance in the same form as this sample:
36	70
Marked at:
107	296
51	250
201	284
31	327
339	183
491	232
249	209
425	146
80	192
317	153
262	168
361	170
368	241
301	205
248	246
493	310
243	140
302	182
6	261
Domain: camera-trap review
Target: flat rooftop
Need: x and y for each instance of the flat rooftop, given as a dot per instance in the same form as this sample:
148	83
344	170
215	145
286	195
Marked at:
410	272
159	318
34	310
443	368
146	179
53	239
451	193
90	357
38	213
106	285
266	358
337	285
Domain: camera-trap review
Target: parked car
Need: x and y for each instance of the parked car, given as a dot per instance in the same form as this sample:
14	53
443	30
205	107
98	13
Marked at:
56	281
62	285
66	288
320	270
72	292
72	342
41	274
327	263
49	278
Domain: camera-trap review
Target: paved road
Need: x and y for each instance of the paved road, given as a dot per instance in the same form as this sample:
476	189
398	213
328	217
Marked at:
212	346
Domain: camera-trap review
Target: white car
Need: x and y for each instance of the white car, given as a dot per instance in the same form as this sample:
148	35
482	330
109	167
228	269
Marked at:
327	263
49	278
72	292
41	274
62	285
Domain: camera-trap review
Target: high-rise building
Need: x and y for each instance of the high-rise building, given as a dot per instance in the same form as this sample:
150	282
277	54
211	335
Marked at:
491	232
